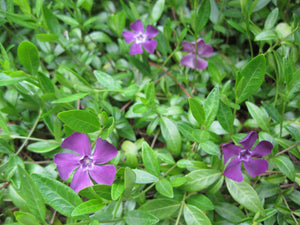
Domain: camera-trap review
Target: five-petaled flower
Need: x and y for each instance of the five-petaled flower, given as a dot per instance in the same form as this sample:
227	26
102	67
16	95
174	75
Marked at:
88	164
141	38
253	163
203	50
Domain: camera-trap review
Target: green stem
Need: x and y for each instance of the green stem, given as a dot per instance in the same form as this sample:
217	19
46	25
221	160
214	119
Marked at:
289	148
32	139
100	132
182	203
282	115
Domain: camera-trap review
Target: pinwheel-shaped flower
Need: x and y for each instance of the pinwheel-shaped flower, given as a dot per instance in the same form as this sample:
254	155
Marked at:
141	38
88	164
251	159
203	50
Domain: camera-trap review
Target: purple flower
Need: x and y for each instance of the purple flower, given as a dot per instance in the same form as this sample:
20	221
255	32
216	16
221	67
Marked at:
141	38
203	50
252	160
88	164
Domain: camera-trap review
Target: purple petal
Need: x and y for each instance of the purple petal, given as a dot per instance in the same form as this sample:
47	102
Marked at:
78	142
230	150
189	61
66	163
103	174
261	149
256	166
104	151
204	50
233	170
150	46
136	49
151	32
137	26
129	36
188	46
249	140
81	179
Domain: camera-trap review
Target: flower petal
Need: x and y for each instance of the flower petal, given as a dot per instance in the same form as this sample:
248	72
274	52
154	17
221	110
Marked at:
204	50
137	26
66	163
136	49
233	170
230	150
129	36
249	140
189	61
81	179
256	166
150	46
261	149
104	151
103	174
151	32
188	46
79	143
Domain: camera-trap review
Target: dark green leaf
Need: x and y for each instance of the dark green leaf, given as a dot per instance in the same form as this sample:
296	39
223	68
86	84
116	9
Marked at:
225	117
202	16
230	212
211	106
286	166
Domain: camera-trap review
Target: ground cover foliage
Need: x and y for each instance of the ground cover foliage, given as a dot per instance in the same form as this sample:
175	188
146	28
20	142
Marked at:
69	76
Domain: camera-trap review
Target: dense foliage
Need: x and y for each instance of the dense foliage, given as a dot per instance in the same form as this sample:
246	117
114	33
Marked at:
154	112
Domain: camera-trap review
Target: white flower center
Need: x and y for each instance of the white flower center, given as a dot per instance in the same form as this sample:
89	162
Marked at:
86	162
140	38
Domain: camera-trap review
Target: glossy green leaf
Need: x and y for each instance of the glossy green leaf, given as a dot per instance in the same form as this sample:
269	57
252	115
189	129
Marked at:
98	191
117	189
171	135
286	166
271	19
210	148
139	217
42	147
198	180
197	110
194	216
25	218
29	56
244	194
157	10
266	35
143	177
225	117
229	212
106	80
161	208
250	79
259	115
211	106
164	187
70	98
88	207
272	111
58	195
31	195
201	201
150	160
80	120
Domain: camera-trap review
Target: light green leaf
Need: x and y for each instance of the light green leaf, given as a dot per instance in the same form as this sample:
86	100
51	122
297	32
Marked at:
129	181
210	148
29	56
47	37
194	216
197	110
117	189
143	177
161	208
259	115
271	19
171	135
225	117
25	218
70	98
211	106
244	194
139	217
286	166
229	212
266	35
58	195
88	207
165	188
80	120
106	80
42	147
201	201
6	80
150	160
157	10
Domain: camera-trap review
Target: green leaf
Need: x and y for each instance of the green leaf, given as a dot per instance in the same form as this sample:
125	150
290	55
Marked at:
143	177
117	189
51	21
42	147
26	218
194	216
29	56
139	217
157	10
88	207
165	188
47	37
161	208
106	80
58	195
259	115
24	6
266	35
271	19
211	106
129	181
210	148
229	212
6	80
197	110
272	111
31	195
286	166
80	120
244	194
201	201
269	213
171	135
225	117
150	160
202	16
252	76
98	191
70	98
45	83
198	180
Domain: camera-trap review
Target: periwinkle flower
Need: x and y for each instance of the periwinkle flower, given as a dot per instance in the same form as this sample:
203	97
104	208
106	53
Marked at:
141	38
251	159
87	164
203	50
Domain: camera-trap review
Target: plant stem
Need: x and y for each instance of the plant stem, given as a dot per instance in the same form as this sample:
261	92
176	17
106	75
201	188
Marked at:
100	132
292	214
32	139
182	203
287	149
